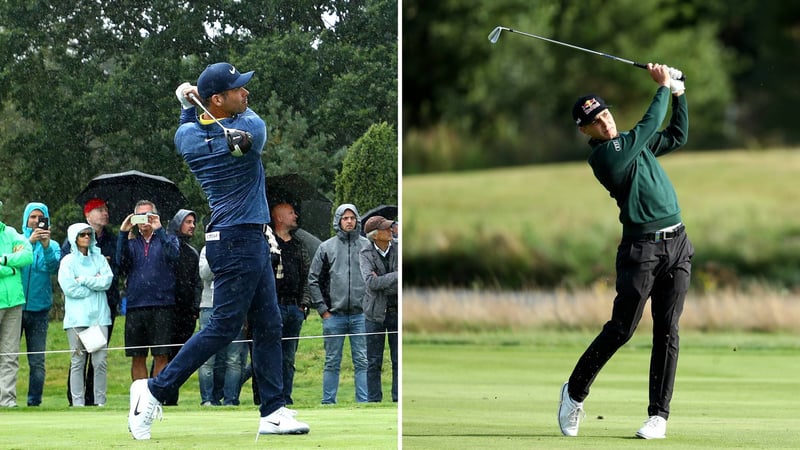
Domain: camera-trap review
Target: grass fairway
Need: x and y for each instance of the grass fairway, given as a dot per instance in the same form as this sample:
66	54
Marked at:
54	425
501	391
367	427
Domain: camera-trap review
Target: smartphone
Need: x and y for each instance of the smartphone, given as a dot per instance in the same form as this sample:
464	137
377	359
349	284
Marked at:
44	223
139	219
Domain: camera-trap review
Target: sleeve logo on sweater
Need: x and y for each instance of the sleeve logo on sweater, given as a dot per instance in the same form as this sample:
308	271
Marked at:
617	145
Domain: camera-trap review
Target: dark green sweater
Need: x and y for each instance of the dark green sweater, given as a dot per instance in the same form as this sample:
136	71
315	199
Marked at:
627	167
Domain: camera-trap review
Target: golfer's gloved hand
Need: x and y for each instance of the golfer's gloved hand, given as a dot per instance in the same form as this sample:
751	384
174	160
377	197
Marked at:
185	103
676	86
675	74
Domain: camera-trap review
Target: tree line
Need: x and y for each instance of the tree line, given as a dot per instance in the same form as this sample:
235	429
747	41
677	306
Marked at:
471	104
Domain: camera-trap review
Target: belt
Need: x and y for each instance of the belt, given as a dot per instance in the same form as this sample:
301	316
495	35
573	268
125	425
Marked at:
665	235
256	226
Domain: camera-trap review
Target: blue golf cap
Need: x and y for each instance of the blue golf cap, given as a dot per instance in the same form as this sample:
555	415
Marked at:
221	77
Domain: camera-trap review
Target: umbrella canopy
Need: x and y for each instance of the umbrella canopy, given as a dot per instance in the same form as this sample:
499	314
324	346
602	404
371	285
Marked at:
312	207
385	211
122	190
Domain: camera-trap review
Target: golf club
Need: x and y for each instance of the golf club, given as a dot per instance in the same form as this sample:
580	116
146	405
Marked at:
239	142
495	35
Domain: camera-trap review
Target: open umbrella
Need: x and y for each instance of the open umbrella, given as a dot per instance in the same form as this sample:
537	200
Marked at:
385	211
312	207
122	190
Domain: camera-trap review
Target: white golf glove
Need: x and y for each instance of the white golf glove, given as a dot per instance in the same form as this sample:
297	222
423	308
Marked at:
185	103
676	86
675	74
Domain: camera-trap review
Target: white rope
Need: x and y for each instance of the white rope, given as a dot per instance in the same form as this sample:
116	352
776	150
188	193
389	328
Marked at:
181	345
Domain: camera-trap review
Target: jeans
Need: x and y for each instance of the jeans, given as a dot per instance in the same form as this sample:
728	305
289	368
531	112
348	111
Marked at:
244	287
336	325
228	361
34	328
375	348
292	318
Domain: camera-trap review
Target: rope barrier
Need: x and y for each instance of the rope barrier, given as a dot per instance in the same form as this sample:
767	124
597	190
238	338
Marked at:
246	341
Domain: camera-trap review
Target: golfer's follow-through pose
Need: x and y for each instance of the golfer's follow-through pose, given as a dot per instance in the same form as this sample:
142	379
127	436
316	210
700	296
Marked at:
236	249
654	255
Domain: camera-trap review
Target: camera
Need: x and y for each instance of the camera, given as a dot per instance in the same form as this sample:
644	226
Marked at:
137	219
44	223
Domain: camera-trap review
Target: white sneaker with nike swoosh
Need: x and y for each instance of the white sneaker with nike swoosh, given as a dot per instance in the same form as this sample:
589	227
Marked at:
144	408
282	421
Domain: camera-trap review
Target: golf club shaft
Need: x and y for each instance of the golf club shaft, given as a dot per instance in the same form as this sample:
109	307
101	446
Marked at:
495	35
200	104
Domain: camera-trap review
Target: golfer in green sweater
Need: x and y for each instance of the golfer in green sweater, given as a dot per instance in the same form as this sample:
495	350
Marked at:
654	255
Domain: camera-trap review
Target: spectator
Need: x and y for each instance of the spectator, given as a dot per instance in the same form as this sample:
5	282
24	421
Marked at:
232	178
85	276
147	255
15	253
294	295
337	292
188	287
220	376
379	269
95	211
38	288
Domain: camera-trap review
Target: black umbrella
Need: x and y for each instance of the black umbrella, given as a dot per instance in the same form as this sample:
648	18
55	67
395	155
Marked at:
312	207
122	190
385	211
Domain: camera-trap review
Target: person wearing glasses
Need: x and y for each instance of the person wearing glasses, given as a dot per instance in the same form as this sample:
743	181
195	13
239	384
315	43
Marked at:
85	275
95	211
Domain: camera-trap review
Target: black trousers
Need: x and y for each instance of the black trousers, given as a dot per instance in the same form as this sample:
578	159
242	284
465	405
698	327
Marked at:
646	268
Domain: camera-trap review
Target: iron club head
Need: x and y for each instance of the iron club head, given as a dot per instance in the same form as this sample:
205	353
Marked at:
495	34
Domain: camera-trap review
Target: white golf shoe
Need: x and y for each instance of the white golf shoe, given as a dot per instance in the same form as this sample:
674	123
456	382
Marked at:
654	428
144	409
282	421
570	413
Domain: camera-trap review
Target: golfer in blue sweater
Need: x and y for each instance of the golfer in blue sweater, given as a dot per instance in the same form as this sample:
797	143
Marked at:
236	248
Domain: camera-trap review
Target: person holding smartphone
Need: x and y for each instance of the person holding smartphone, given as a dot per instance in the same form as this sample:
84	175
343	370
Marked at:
147	255
38	289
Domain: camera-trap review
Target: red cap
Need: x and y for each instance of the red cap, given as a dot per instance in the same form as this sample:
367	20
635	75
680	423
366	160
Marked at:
92	204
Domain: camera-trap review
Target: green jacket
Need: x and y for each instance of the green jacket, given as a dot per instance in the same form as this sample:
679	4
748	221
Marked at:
15	253
627	167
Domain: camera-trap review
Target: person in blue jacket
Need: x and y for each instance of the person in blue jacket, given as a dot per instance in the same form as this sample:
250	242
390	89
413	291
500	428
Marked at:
85	275
147	255
38	290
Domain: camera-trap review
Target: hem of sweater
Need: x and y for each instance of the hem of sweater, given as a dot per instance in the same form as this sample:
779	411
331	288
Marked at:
629	230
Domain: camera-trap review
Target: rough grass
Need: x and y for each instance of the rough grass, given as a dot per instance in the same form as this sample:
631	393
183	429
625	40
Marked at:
554	225
757	309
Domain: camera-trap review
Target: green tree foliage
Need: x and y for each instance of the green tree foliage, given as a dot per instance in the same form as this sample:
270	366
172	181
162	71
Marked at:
87	87
369	171
468	103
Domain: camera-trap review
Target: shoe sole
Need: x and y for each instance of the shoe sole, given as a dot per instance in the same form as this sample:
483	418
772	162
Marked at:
643	436
301	431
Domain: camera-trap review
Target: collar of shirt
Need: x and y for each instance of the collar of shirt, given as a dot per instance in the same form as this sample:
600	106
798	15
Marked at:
383	253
